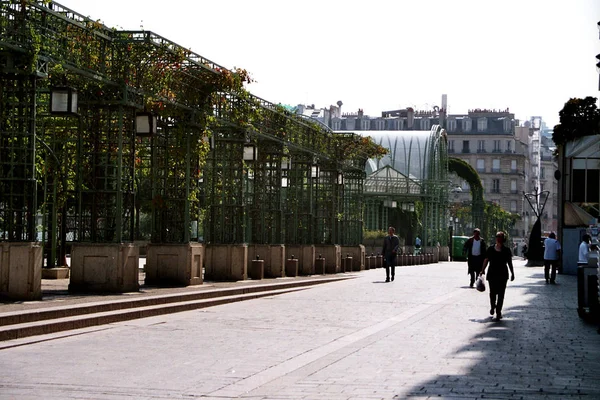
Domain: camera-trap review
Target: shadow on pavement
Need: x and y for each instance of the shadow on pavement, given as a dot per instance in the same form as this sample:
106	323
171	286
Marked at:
540	349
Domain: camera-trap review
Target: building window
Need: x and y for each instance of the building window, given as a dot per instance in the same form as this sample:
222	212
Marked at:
425	124
465	148
364	124
507	125
481	146
496	165
481	124
466	125
513	206
451	125
509	146
513	186
465	186
451	146
480	165
585	182
542	173
513	166
497	148
496	186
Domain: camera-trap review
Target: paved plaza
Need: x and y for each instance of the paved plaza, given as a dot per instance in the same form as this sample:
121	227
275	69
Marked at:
425	335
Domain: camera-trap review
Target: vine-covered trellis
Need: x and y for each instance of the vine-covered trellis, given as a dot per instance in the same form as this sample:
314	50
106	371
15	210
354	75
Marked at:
216	163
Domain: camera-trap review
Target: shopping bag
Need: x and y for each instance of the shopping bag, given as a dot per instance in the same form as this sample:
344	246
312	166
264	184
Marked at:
480	285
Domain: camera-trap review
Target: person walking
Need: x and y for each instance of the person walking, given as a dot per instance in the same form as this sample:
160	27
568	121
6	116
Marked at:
584	249
475	249
390	250
551	257
417	245
499	257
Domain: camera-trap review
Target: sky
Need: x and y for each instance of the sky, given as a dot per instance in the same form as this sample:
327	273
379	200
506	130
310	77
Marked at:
530	56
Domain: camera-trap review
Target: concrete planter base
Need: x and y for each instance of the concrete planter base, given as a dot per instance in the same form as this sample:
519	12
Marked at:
305	255
272	254
226	262
174	264
358	255
21	271
104	268
55	273
332	253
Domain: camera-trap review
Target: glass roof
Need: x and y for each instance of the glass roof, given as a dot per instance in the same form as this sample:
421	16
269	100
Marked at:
408	152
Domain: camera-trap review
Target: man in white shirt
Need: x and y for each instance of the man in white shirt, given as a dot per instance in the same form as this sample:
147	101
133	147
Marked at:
475	249
584	249
551	257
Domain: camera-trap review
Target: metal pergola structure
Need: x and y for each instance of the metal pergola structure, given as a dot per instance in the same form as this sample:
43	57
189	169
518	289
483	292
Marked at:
217	163
411	178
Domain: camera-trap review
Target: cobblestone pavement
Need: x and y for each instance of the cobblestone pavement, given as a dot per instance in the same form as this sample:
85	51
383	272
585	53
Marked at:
425	335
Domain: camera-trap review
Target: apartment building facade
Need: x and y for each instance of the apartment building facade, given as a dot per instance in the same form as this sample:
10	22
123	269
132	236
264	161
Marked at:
511	159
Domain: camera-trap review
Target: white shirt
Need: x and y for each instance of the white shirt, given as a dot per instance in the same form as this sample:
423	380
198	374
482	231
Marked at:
476	249
583	253
551	249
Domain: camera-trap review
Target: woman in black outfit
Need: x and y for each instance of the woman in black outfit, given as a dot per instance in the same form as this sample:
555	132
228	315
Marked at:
498	256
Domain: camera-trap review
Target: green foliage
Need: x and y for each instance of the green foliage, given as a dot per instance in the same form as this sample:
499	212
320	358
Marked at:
373	235
464	170
578	118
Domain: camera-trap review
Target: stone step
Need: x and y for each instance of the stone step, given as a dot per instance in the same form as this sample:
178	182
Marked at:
49	313
44	327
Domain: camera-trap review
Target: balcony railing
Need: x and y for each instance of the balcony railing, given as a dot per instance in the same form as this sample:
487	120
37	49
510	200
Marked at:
466	151
496	170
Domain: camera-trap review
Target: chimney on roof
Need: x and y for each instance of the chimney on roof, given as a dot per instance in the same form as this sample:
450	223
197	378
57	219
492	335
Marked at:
360	112
410	118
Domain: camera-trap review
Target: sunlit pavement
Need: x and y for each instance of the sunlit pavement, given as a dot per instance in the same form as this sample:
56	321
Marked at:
425	335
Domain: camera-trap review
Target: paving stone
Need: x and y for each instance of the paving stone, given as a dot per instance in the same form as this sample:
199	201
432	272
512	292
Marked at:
426	335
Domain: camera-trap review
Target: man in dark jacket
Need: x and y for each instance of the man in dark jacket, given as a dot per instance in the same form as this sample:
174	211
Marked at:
390	251
475	249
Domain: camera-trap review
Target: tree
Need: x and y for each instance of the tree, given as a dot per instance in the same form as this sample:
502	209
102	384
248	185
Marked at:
579	117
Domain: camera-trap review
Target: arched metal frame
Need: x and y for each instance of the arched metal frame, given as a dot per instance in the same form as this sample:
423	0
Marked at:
415	170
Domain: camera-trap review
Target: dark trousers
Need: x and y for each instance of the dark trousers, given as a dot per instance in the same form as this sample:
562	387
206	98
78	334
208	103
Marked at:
475	264
390	263
547	273
497	289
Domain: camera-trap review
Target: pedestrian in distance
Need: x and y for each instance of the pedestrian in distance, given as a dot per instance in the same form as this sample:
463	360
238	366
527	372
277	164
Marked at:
391	243
524	252
584	249
417	245
475	248
499	258
551	257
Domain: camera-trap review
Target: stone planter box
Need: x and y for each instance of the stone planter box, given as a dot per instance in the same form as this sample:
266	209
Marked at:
272	254
21	271
358	255
306	258
104	268
332	254
174	264
226	262
55	273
